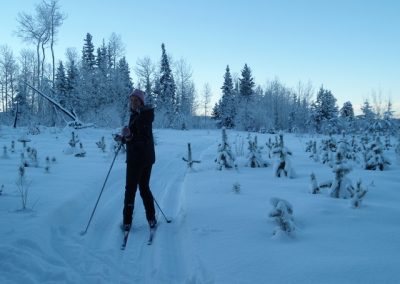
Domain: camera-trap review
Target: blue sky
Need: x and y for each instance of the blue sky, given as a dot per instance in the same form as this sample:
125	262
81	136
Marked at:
352	47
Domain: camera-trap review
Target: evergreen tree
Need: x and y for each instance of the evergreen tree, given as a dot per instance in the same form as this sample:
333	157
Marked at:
254	158
88	57
283	163
227	106
61	84
347	110
245	117
123	87
324	109
166	92
341	186
225	158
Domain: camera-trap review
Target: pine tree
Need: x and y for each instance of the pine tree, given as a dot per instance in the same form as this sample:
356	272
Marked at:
341	186
245	117
60	85
225	158
166	92
374	157
283	214
254	158
283	163
324	109
227	108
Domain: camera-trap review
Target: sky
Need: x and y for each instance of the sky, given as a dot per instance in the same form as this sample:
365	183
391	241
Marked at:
351	47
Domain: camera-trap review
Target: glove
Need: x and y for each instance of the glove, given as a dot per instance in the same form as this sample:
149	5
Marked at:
117	138
126	132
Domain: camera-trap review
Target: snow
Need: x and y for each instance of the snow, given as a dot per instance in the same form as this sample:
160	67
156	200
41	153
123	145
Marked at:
218	235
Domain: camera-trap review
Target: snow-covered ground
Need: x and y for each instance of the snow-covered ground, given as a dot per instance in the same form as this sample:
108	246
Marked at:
217	235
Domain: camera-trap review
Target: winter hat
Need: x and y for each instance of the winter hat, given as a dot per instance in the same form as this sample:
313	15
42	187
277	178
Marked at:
138	93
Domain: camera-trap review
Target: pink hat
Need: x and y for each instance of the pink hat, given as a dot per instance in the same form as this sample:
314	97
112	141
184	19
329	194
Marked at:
138	93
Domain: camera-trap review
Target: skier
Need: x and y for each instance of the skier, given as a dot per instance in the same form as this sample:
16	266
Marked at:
140	157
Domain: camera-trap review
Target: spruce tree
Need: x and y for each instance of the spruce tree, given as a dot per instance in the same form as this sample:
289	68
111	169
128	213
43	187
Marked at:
227	108
60	85
245	115
166	92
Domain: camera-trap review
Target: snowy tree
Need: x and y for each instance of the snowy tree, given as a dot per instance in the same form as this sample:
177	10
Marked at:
341	186
358	195
324	109
314	189
283	215
145	71
374	157
225	157
60	85
245	117
166	92
282	163
227	105
254	157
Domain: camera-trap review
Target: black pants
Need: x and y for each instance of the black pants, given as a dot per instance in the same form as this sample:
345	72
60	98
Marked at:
137	175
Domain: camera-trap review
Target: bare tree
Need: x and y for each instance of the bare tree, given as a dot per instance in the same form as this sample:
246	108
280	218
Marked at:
116	48
8	74
206	99
31	30
145	71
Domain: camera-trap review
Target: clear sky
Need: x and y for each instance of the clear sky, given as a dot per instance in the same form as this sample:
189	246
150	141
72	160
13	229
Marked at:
352	47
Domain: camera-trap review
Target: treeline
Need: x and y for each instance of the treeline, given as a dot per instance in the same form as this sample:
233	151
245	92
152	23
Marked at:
94	84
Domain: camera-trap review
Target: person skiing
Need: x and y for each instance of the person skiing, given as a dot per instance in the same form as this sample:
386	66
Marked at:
140	157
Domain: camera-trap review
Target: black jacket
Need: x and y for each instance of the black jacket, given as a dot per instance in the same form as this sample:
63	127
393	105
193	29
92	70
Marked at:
140	143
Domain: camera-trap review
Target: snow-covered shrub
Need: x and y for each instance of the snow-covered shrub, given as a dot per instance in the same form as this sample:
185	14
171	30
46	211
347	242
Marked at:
47	167
374	156
33	130
5	153
282	163
358	195
254	159
12	146
1	189
74	140
239	146
341	186
314	189
32	156
236	188
282	213
314	152
225	157
101	144
81	152
270	145
23	186
24	161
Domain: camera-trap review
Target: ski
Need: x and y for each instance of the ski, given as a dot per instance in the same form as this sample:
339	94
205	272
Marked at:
125	240
151	235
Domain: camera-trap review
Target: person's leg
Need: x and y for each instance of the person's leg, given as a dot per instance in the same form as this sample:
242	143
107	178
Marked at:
132	174
145	193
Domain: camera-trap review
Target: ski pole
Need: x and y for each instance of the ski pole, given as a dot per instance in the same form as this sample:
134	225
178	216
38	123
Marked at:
166	219
101	192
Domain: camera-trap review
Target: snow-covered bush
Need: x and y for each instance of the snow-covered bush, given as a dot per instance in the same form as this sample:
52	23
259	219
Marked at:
358	195
23	186
341	186
239	146
236	188
282	213
225	157
314	189
101	144
47	167
80	152
5	153
282	163
74	140
12	146
33	157
254	159
374	156
1	189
